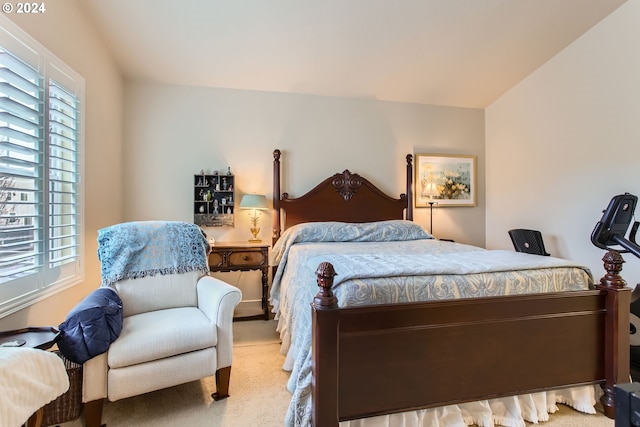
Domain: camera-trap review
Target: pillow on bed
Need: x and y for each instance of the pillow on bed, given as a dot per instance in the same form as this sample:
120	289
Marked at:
380	231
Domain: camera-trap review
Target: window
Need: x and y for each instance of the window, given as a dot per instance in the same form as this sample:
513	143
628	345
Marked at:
41	122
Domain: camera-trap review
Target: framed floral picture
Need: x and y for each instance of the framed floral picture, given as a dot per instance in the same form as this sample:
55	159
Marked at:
445	180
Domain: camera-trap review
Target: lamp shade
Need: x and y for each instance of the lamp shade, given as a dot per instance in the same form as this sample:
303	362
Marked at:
253	201
431	189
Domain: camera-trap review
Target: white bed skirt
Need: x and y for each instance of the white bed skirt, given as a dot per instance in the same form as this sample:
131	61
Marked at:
509	411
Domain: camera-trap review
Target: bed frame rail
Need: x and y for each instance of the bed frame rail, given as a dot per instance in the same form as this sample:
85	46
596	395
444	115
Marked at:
392	358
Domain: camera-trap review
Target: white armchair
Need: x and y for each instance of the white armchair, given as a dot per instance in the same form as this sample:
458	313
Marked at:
177	324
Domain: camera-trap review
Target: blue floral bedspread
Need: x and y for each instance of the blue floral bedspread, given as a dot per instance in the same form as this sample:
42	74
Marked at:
391	262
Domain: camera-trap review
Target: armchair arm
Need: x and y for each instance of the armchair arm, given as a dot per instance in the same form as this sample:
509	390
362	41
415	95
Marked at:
218	299
94	378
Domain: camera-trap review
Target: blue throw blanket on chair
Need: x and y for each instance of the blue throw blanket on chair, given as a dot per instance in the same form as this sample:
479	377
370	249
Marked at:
145	248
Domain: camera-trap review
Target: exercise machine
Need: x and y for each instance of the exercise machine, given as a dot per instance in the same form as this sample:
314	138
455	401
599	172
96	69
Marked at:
609	234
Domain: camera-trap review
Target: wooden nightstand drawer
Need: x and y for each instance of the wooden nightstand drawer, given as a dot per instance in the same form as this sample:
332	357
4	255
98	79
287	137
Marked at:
216	260
247	259
240	256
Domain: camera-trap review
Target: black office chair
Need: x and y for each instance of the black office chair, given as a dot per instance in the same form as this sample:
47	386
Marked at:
528	241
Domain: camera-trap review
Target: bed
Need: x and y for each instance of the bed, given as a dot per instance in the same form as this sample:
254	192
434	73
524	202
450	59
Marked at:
382	324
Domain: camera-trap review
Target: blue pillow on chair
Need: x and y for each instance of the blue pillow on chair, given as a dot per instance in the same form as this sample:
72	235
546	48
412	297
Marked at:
91	326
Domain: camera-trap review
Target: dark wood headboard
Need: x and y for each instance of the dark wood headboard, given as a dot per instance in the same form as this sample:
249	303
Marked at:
344	197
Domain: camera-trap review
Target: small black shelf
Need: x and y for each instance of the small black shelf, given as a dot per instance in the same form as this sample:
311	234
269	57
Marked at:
213	200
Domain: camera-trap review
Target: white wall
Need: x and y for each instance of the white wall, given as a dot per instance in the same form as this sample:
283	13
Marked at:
65	31
172	132
565	140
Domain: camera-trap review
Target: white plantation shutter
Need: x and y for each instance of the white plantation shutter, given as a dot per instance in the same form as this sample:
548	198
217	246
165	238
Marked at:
21	156
40	172
63	176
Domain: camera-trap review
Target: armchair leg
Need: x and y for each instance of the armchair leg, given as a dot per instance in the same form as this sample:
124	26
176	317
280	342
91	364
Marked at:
223	376
93	413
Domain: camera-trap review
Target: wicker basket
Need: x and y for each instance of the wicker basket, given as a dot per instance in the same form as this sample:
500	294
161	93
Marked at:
68	406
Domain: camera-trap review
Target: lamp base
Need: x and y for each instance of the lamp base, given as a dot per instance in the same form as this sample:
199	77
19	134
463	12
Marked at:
254	232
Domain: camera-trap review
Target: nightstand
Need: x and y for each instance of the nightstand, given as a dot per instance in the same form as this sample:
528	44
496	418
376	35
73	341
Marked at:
243	256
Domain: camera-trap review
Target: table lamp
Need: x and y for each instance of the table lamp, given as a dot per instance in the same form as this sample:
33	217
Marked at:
256	202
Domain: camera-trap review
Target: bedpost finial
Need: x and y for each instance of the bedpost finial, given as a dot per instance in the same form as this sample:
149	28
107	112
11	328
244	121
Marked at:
409	159
325	273
325	298
613	265
276	154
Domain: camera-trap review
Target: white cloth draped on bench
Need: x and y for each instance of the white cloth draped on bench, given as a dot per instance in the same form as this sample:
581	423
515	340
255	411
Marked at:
31	378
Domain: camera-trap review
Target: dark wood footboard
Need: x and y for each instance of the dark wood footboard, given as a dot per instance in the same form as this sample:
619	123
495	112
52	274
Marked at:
383	359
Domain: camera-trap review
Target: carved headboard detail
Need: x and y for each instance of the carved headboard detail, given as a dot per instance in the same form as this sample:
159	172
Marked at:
346	184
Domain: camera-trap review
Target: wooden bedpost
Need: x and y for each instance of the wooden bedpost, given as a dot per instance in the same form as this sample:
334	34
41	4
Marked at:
617	354
325	319
409	187
276	196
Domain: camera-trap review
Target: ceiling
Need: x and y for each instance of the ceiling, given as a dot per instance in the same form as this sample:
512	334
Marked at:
463	53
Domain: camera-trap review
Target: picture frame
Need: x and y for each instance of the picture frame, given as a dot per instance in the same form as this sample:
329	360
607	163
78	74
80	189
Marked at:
445	180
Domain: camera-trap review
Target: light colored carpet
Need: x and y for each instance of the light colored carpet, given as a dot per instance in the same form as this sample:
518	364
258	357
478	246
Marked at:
258	394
